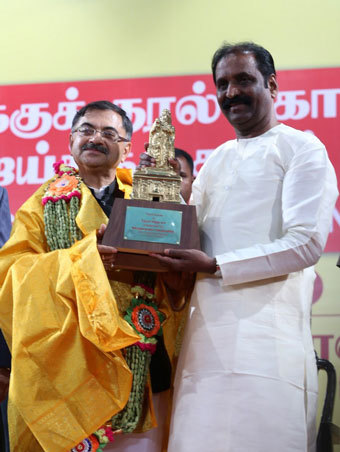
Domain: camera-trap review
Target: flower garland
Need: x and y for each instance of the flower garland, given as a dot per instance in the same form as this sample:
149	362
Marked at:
143	315
95	442
61	205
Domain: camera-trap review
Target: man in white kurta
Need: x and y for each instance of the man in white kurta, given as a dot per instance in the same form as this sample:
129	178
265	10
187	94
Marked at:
247	366
246	379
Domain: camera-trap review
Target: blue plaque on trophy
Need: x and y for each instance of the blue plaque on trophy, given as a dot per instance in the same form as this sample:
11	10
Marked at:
153	225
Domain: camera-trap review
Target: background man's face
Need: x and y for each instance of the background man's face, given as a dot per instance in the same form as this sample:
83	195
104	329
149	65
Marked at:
96	152
187	178
241	91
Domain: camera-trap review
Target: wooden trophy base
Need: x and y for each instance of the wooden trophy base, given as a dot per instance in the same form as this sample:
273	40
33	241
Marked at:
137	228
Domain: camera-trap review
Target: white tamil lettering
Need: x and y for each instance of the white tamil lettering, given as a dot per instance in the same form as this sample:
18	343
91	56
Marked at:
31	174
62	119
201	157
4	119
7	166
289	106
137	114
161	103
30	121
31	170
329	104
194	107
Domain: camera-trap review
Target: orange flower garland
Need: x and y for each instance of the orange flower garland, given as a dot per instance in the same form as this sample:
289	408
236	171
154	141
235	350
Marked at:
63	185
61	205
146	320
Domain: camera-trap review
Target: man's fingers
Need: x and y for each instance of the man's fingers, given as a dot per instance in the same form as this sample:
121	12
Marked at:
175	165
101	231
166	261
106	250
169	262
146	159
176	253
188	261
108	255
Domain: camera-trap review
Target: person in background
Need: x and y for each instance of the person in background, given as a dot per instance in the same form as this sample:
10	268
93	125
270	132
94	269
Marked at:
186	172
5	357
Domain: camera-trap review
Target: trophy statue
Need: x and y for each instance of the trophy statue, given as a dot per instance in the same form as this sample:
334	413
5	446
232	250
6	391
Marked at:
159	183
154	218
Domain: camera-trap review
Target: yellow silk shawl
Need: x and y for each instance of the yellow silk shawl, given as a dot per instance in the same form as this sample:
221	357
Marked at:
68	373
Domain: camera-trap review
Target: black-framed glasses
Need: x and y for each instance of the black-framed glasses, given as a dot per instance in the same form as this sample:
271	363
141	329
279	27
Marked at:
109	134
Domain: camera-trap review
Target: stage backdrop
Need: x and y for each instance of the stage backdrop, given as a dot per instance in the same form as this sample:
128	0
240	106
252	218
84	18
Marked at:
35	122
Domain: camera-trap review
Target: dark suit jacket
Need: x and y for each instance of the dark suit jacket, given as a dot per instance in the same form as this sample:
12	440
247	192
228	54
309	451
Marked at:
5	217
5	356
5	229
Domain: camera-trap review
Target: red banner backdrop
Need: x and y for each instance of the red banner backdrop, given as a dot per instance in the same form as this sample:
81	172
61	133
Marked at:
35	121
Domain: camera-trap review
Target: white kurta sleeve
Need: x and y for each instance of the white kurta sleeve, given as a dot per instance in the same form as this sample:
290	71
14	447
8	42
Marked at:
308	197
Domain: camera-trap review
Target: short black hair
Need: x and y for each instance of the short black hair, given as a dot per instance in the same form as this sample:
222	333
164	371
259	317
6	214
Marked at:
187	157
264	60
105	105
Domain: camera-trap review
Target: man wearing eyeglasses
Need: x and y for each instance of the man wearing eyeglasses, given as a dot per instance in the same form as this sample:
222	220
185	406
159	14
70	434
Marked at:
69	372
99	142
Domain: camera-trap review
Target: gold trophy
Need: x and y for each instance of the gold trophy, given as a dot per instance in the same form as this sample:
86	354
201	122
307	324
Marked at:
154	218
159	183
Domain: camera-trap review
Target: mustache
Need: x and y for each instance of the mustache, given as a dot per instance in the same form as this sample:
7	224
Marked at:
96	146
242	99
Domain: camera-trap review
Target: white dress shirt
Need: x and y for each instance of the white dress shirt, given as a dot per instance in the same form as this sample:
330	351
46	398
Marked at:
246	378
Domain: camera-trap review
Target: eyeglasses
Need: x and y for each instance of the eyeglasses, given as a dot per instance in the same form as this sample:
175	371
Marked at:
108	134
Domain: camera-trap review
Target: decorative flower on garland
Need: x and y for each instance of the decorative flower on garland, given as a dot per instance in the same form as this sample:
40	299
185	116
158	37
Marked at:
143	315
95	442
145	318
89	444
63	185
105	436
